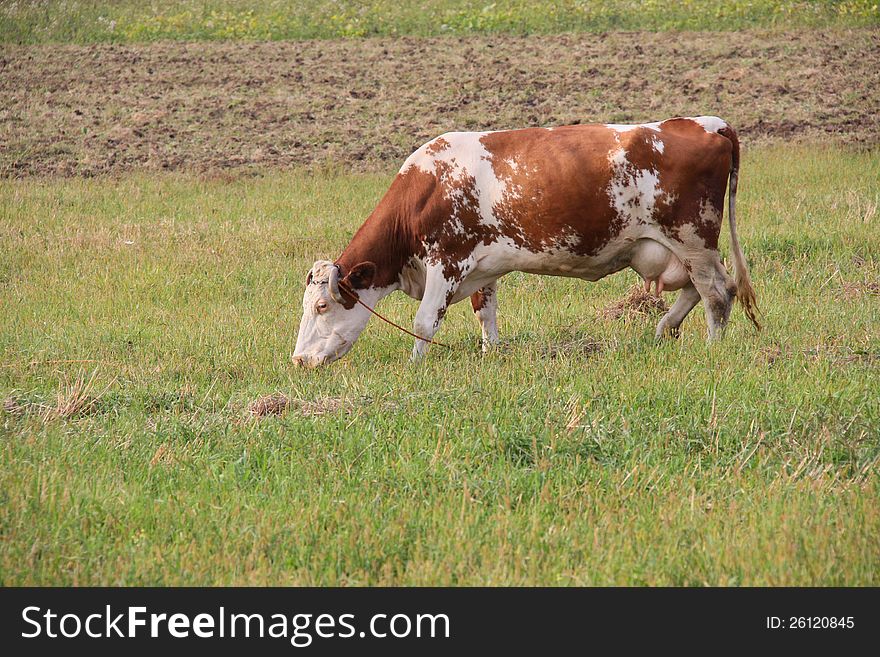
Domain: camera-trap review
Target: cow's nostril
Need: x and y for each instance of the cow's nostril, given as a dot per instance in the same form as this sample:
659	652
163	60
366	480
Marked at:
297	361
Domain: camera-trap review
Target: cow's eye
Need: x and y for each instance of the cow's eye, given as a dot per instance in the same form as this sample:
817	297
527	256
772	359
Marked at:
321	306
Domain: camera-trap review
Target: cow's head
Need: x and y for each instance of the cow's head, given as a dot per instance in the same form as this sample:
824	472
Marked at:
332	320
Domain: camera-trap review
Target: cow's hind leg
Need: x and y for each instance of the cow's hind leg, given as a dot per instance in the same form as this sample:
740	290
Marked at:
717	290
438	293
485	305
687	299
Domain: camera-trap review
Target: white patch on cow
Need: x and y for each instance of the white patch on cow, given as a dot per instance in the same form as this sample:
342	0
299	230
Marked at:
438	289
708	212
459	202
658	145
421	158
709	123
505	189
466	159
687	235
618	127
633	192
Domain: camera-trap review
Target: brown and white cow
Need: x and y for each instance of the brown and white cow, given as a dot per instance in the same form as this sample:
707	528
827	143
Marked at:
582	201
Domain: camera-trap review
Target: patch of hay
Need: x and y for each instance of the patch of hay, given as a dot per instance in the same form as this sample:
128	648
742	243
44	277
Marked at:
275	404
637	302
279	404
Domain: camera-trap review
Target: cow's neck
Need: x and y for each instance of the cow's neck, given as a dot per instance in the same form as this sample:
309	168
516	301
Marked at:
383	240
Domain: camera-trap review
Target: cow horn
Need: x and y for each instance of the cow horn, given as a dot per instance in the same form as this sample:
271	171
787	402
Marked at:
333	284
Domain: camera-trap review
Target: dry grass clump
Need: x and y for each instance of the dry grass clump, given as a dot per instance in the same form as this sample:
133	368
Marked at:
274	404
637	302
75	398
279	404
162	456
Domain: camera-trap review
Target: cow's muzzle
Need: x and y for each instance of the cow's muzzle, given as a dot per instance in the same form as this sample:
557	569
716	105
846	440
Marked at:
306	361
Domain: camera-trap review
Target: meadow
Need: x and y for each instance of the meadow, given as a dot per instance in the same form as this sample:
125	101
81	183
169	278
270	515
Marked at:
143	313
125	21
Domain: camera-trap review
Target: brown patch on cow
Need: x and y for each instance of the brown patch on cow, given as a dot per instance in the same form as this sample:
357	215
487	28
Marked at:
437	146
478	301
359	277
390	235
430	215
559	181
349	299
693	171
552	197
563	185
456	198
637	302
441	312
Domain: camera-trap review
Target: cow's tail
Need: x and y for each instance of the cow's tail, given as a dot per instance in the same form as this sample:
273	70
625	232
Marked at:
745	293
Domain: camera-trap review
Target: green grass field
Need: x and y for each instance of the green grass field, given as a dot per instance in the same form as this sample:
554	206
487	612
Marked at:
142	314
84	21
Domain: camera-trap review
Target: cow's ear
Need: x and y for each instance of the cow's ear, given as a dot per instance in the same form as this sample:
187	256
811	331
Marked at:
309	278
361	276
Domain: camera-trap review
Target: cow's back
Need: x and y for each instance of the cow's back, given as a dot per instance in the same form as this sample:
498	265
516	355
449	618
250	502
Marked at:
575	187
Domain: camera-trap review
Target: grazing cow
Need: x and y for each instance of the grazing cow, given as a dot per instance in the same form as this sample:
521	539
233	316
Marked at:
582	201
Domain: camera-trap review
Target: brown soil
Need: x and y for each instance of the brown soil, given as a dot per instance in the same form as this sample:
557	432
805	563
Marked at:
366	104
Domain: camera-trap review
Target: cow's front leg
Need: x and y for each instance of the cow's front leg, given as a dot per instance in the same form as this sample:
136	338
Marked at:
687	299
485	305
438	293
